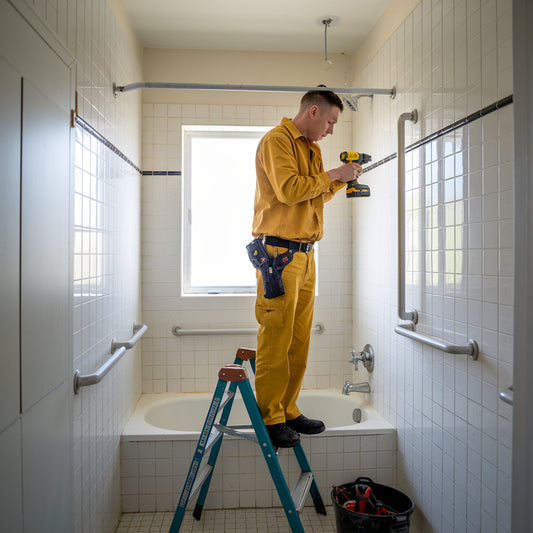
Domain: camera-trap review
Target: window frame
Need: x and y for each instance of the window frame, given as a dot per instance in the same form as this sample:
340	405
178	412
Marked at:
189	133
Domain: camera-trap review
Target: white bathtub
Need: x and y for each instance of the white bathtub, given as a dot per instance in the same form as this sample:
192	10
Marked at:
180	416
160	437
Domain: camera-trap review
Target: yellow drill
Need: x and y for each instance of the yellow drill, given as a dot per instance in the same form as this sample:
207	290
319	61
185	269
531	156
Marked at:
353	188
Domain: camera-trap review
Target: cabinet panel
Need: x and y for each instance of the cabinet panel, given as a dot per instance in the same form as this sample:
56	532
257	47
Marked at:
44	245
46	465
10	83
11	479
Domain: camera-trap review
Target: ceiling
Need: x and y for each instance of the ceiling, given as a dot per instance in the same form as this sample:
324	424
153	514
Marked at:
253	25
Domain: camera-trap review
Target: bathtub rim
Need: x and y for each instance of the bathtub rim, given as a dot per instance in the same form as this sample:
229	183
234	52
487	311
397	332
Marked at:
137	429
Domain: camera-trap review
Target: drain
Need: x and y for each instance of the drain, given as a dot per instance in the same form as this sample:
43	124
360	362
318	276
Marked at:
356	415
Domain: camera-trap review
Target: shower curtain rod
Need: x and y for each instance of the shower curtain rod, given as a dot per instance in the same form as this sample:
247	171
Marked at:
248	88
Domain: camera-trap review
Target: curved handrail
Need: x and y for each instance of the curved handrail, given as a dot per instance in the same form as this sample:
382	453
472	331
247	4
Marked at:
407	330
118	349
82	380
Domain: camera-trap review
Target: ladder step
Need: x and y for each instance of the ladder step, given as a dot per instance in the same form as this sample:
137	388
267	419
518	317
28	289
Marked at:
228	395
233	430
200	478
214	437
301	489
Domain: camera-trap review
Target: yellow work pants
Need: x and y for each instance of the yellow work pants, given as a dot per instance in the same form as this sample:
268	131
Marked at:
285	326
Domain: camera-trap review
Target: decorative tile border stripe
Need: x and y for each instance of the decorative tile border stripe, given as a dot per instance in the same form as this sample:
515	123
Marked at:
97	135
448	129
161	173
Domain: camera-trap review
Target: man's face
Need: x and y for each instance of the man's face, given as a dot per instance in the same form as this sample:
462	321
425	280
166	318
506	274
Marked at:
322	121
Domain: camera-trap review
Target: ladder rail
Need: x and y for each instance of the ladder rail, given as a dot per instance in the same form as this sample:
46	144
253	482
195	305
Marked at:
211	438
270	456
198	456
224	417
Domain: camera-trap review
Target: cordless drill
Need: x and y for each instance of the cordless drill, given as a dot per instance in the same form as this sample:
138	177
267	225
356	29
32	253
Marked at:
353	188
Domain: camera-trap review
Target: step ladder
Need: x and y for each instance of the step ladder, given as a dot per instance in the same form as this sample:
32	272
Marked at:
233	377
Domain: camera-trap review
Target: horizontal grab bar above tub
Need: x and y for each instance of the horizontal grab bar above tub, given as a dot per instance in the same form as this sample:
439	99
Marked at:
471	349
181	332
118	349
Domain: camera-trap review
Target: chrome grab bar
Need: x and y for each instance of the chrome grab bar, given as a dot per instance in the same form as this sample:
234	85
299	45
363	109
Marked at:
181	332
471	349
403	314
82	380
507	397
138	331
407	330
118	349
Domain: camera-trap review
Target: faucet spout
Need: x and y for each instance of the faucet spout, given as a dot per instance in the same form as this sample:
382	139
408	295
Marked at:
356	387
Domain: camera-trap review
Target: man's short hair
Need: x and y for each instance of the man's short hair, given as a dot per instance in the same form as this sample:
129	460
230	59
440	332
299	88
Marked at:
320	98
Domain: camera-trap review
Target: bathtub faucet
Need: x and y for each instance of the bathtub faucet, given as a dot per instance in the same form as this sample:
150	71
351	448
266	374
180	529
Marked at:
355	387
366	356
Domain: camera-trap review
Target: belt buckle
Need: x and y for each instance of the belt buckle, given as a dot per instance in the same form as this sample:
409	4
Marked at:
307	247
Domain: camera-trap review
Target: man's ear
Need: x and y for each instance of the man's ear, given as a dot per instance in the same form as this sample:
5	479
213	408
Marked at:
314	111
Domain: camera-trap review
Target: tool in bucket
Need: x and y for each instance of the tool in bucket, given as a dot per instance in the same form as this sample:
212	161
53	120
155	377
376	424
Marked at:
367	507
363	500
233	377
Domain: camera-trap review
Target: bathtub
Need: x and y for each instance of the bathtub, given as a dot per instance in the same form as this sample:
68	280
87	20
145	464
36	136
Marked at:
159	440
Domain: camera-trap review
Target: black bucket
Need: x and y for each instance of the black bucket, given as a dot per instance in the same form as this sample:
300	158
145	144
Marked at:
351	521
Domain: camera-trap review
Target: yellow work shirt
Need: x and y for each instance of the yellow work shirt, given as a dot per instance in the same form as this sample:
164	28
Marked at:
291	187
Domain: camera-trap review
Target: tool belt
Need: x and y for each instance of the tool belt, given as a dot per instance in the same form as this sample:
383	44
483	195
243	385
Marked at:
270	267
295	246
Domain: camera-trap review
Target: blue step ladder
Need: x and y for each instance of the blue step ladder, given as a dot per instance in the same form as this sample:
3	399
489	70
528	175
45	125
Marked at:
233	377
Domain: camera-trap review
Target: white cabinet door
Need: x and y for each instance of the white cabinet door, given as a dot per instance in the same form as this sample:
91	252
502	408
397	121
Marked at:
9	243
36	477
44	244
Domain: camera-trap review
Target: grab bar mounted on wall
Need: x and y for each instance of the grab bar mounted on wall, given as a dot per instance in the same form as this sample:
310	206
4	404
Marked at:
404	315
181	332
407	330
471	349
118	349
507	396
138	331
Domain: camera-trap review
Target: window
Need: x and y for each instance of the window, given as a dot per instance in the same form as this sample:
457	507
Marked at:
219	189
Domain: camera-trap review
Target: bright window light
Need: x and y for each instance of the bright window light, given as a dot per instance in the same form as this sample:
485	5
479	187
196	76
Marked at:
219	189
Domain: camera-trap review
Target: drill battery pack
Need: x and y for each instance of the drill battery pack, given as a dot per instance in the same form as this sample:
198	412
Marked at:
270	267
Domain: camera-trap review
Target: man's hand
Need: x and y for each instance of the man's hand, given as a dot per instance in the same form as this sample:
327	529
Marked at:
345	173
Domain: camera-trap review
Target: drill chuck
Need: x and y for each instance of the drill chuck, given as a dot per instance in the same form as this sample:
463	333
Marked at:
353	188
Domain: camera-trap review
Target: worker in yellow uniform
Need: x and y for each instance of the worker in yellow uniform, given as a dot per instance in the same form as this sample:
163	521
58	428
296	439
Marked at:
291	189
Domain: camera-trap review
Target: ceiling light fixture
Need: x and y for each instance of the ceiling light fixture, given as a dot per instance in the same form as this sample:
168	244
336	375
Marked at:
327	21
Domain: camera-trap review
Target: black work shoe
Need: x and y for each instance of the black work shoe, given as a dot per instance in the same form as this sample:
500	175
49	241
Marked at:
304	425
282	436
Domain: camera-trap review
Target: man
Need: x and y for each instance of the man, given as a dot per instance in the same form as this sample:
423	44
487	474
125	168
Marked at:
291	189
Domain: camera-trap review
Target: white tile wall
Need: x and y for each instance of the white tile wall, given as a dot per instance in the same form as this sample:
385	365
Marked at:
106	247
191	364
448	59
154	473
106	304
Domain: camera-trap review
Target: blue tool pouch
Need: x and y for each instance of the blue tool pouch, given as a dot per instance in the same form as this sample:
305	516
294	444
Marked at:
270	267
